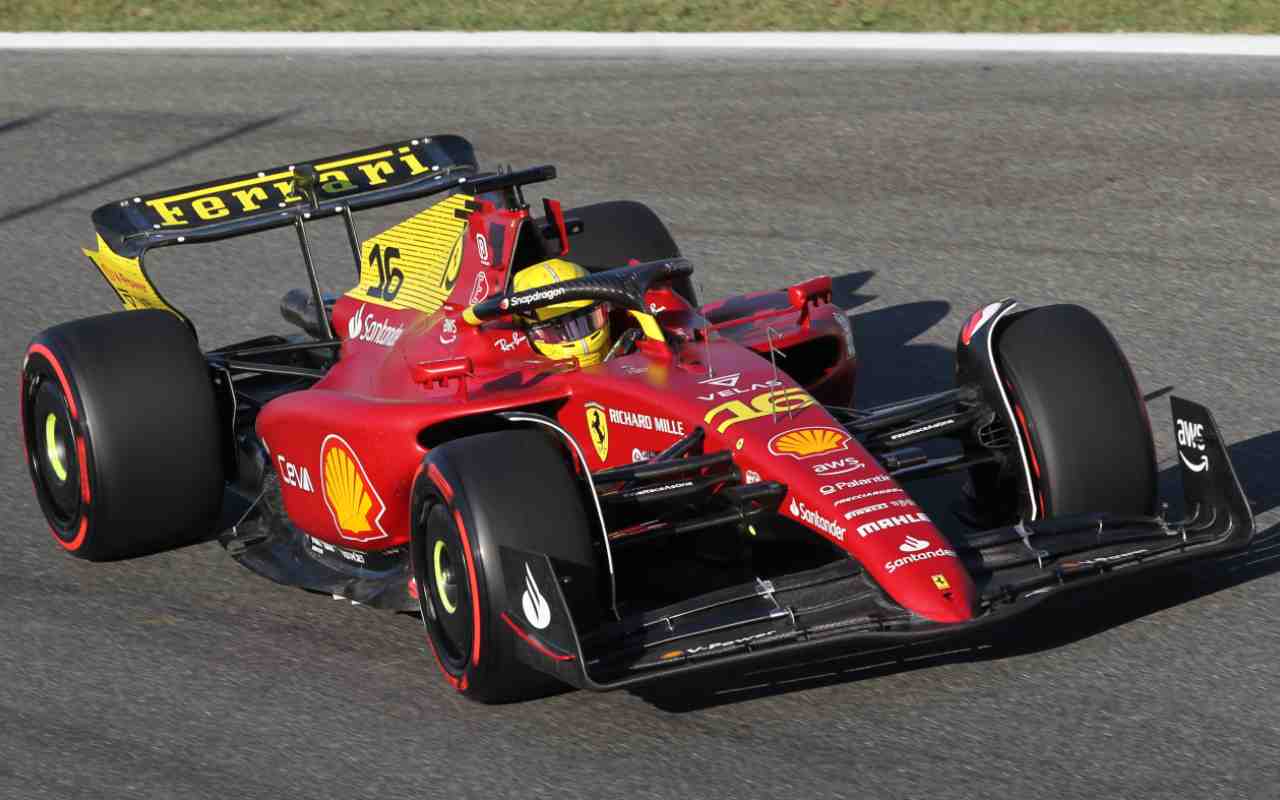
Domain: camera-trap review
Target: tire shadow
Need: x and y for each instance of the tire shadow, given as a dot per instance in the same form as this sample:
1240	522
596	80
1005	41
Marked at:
890	367
1058	622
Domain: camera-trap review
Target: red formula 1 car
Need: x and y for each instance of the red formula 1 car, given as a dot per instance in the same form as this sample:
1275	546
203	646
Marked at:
705	495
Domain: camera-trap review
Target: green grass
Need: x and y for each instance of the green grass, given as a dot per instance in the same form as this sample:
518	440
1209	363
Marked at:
1212	16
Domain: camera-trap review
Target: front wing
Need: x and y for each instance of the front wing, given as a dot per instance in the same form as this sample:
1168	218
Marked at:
839	607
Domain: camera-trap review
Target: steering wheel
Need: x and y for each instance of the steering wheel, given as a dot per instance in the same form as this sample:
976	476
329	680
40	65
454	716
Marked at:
624	287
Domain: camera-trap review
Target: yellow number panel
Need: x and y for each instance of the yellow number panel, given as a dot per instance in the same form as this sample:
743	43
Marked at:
414	264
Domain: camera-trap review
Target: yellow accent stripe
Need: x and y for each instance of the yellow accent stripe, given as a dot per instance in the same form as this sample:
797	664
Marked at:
650	326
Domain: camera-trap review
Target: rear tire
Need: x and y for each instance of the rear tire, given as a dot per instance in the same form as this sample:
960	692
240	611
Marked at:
1080	414
472	497
122	434
620	230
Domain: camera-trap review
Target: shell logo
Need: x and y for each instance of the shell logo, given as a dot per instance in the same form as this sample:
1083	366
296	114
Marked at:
806	442
348	493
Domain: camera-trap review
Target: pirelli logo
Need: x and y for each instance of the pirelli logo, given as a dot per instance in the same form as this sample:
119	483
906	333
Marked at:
263	191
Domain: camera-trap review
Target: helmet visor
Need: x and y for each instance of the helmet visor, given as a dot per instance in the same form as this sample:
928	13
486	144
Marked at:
570	327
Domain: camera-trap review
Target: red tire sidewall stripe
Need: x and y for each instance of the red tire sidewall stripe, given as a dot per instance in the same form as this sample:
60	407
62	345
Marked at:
81	449
62	376
475	591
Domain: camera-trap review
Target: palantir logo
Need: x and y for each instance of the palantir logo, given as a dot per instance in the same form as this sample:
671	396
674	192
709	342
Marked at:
536	608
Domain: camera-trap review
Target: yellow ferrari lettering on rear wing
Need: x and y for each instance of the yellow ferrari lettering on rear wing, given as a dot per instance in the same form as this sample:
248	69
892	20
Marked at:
221	202
271	198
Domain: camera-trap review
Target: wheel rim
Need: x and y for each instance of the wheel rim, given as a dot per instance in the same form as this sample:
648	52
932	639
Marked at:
446	600
446	578
51	445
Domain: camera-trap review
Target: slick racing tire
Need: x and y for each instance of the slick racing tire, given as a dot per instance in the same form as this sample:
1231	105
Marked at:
620	230
1079	413
122	434
473	497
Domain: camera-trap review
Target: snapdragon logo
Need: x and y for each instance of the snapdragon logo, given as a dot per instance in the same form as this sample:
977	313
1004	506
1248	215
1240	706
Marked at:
899	563
364	328
810	517
534	297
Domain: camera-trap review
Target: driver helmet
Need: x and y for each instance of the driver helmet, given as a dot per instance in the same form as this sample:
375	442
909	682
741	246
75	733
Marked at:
573	329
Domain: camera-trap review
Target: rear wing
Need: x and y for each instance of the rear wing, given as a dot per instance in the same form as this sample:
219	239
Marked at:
280	197
272	198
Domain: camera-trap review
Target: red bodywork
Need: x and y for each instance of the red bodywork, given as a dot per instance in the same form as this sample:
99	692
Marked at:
348	448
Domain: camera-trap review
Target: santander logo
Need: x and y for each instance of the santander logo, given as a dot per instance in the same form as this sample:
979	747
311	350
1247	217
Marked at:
363	327
813	518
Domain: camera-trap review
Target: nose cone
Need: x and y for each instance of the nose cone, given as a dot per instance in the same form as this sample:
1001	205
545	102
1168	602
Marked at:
904	552
936	587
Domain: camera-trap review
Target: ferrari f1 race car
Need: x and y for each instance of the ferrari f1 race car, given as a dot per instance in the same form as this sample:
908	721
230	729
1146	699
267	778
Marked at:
702	494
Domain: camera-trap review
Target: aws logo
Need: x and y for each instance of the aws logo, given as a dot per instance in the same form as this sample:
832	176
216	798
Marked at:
348	493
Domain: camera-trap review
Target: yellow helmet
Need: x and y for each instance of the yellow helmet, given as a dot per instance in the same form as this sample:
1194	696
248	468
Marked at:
573	329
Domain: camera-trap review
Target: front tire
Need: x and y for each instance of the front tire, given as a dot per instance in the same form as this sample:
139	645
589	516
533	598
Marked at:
122	434
1080	414
472	497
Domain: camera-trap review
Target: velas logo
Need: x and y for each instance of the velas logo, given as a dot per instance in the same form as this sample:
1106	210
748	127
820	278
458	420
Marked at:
729	381
363	327
813	518
808	442
350	496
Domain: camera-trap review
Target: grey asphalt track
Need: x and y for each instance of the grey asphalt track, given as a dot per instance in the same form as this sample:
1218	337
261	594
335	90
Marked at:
1145	188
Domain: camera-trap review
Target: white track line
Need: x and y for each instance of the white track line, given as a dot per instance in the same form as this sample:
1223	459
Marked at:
553	42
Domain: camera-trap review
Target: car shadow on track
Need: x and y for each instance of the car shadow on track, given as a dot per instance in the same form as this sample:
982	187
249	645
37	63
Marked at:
1058	622
890	367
